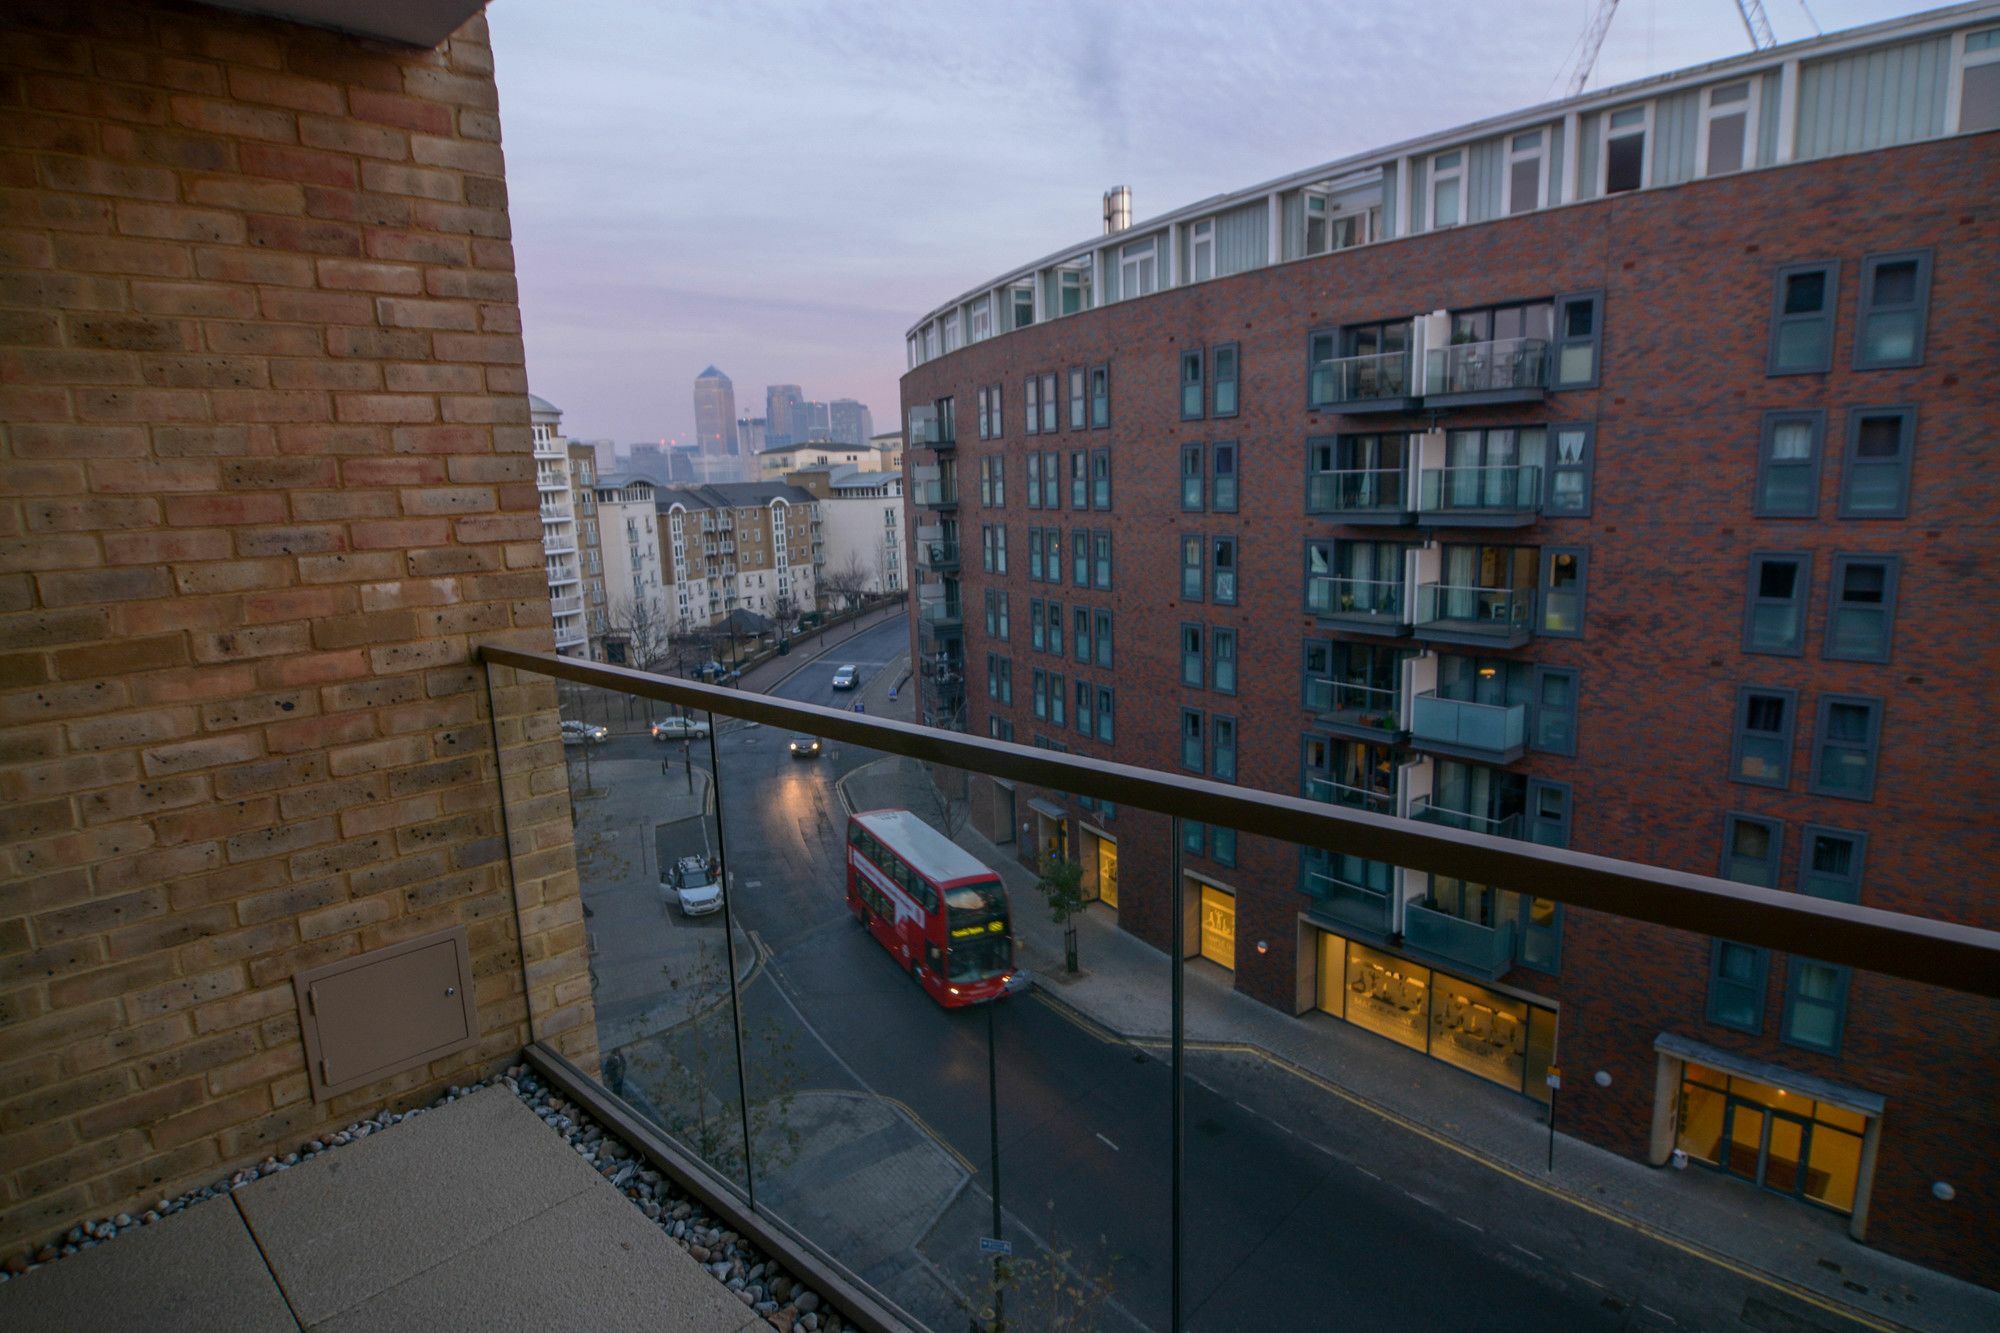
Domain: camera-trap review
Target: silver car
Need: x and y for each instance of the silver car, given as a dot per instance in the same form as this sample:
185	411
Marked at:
693	887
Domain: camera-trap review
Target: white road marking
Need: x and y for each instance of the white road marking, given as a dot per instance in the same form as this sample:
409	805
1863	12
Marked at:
1108	1143
1251	1109
1366	1172
1591	1280
753	883
1418	1198
1525	1250
1661	1313
1474	1225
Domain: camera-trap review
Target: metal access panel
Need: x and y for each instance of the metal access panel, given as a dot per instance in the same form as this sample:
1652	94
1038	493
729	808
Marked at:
366	1018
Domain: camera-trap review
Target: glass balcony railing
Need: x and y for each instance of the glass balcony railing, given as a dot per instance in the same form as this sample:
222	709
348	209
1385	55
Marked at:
1356	709
1503	370
936	494
1377	382
1453	613
772	1000
1480	493
938	555
1496	826
1493	732
1366	601
940	613
1359	494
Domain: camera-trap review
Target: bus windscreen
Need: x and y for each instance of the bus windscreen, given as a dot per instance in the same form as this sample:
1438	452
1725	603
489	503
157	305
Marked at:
976	922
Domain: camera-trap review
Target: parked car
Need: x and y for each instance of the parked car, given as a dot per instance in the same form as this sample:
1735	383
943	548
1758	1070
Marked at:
584	733
805	747
679	728
693	887
847	677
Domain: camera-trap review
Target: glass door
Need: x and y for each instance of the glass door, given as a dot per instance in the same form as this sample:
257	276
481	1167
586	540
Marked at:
1218	927
1784	1152
1107	872
1743	1145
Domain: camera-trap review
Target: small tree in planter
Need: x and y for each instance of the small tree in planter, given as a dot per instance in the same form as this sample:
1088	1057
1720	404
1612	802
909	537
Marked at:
1062	884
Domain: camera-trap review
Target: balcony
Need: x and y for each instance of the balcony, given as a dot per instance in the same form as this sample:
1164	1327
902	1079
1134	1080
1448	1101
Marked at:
1491	733
1358	385
1329	792
570	634
551	481
1365	606
1348	905
560	575
1484	617
937	494
1505	826
1361	496
1506	370
566	606
1363	712
940	614
938	557
1485	951
1479	497
556	543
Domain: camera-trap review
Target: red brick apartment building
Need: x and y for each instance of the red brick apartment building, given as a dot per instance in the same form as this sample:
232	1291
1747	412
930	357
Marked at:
1617	474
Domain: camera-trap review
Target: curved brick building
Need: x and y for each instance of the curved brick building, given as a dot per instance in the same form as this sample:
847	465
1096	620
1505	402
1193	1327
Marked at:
1616	474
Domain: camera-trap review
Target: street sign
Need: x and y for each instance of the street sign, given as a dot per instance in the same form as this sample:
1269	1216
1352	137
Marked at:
1555	1079
988	1245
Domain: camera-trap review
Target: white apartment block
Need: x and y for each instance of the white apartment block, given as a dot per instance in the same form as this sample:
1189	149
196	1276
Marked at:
861	517
559	537
639	607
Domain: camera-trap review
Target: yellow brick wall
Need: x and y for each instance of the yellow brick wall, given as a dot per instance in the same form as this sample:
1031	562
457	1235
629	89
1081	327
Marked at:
264	483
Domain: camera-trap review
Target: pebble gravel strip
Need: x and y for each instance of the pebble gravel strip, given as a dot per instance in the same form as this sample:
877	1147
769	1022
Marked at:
761	1285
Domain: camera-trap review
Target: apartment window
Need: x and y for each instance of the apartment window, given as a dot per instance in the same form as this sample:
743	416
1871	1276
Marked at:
993	548
952	339
1762	749
1222	655
1194	477
1073	288
1201	250
1192	748
1085	715
1570	467
1034	484
1831	863
1051	479
1193	569
1100	397
1193	662
1100	479
1563	572
1194	390
1104	706
1079	557
993	394
1138	269
1447	189
1776	619
1788	455
1802	319
1040	687
1736	974
1036	621
1079	480
1054	614
993	483
1554	710
1521	188
1031	405
1815	1012
1100	547
1875	476
1224	361
1622	161
1862	618
1222	483
1728	129
1978	86
1000	729
1104	639
1222	749
1077	418
1023	301
982	318
1579	329
1079	638
1194	837
1846	734
1316	676
1058	706
1048	402
1224	566
999	678
1750	850
1895	300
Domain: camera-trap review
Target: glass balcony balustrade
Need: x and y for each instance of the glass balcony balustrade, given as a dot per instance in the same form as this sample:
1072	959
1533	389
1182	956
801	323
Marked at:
1495	733
1454	613
1503	370
1378	382
1377	605
1498	496
1360	495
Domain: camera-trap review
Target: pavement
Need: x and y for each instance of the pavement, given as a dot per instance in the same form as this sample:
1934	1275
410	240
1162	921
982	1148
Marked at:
473	1215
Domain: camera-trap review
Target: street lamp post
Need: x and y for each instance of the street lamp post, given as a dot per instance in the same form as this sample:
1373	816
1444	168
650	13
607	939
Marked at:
993	1139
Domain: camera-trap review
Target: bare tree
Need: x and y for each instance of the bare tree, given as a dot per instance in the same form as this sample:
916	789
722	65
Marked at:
649	644
950	800
849	583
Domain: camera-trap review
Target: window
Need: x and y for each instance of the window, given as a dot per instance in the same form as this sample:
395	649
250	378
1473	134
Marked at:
1104	639
1570	470
1831	865
1447	189
1222	654
1776	619
1222	748
1316	677
1138	269
1194	477
1750	850
1100	479
1034	484
1100	397
1201	250
1104	703
1802	319
1224	366
1222	485
982	318
1553	708
1192	660
1194	391
1085	692
1863	616
1977	89
1762	751
1077	420
952	338
1579	328
1036	622
1079	557
1895	300
1023	305
1192	748
1736	975
1053	613
1031	406
1079	480
1815	1005
1005	630
993	548
1875	476
1079	638
1100	549
1058	696
1073	288
1049	403
999	678
1846	733
1225	571
1788	455
1622	163
1194	837
1521	187
1563	570
1194	570
992	483
1051	479
1728	128
1040	688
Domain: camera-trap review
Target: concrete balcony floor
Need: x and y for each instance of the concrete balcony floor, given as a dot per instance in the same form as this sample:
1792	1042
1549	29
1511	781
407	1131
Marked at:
473	1215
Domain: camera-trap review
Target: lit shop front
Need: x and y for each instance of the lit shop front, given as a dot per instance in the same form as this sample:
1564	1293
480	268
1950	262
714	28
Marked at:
1498	1036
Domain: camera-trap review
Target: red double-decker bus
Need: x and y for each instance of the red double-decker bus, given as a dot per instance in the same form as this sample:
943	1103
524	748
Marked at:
938	911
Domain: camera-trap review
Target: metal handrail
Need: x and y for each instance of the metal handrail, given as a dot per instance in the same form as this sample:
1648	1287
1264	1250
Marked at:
1939	953
1452	601
1340	490
1362	596
1499	486
1499	363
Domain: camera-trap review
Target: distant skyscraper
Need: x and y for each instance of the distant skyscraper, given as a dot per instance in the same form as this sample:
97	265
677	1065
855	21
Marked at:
750	435
781	403
715	414
809	422
850	422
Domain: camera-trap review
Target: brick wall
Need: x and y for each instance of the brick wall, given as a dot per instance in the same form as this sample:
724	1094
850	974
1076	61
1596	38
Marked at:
264	452
1688	280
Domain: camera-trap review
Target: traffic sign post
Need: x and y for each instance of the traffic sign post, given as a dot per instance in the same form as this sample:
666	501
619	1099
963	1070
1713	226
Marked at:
1555	1082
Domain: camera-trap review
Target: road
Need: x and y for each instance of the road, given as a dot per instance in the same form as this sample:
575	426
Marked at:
1301	1211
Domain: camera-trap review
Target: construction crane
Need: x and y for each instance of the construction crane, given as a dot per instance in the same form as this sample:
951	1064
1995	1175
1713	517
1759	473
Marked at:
1755	22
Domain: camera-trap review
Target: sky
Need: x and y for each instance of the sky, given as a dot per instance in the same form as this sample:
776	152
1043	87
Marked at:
782	189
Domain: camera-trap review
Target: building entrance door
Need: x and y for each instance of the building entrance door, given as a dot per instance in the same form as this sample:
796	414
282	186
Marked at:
1218	926
1767	1147
1107	872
